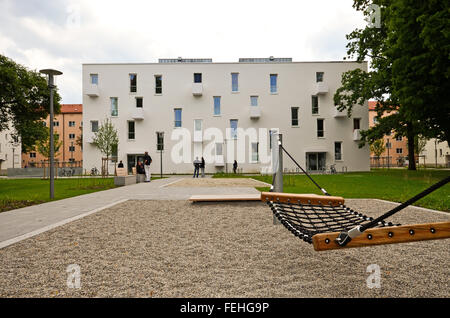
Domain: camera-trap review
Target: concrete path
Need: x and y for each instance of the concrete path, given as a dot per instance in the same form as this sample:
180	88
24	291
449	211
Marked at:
23	223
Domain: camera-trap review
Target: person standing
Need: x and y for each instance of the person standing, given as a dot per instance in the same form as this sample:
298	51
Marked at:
235	165
197	164
147	163
202	166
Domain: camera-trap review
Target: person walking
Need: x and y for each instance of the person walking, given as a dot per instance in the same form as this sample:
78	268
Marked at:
235	165
147	163
202	166
197	164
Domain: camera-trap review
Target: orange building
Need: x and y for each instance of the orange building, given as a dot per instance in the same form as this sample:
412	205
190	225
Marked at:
68	125
398	147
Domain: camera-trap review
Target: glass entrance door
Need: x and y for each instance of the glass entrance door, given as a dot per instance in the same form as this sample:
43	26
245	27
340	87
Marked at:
316	161
132	161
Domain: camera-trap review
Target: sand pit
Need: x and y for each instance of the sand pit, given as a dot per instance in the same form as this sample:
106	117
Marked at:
218	182
180	249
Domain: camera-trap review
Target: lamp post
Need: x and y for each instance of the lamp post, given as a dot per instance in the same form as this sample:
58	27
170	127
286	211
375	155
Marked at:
51	85
160	147
388	158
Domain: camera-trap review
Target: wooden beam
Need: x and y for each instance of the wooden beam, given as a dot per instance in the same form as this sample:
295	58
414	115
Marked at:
225	198
302	198
386	235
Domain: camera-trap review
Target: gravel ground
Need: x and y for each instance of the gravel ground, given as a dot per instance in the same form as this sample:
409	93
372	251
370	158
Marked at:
180	249
218	182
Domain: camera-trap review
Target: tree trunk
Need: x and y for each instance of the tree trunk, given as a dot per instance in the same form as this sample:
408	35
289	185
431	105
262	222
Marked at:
411	152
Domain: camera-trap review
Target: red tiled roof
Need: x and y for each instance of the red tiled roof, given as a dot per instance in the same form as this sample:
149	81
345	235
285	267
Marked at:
71	108
372	104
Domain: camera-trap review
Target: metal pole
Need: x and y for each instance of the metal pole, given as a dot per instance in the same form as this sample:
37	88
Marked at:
277	166
161	164
388	146
52	149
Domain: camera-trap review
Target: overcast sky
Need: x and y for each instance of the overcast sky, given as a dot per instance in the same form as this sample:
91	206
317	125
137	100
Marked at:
63	34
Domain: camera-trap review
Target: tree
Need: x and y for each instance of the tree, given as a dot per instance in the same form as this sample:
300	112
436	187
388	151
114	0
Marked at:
402	86
43	145
106	140
24	102
79	140
377	147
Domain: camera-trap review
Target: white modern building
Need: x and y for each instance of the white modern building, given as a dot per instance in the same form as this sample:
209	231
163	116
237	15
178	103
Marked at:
10	151
226	111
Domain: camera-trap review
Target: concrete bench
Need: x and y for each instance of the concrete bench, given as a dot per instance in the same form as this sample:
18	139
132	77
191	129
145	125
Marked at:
120	181
122	178
140	178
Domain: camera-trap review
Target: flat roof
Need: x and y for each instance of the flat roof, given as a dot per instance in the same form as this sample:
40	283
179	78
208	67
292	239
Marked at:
237	63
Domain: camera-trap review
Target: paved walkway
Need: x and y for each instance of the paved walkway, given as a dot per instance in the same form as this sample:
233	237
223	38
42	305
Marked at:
27	222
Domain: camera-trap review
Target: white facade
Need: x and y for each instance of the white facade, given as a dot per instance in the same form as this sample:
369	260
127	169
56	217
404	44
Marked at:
436	152
296	83
10	151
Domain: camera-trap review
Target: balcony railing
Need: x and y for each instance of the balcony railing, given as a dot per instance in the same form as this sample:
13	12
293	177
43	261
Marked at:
255	112
92	90
320	88
356	134
197	89
338	113
138	113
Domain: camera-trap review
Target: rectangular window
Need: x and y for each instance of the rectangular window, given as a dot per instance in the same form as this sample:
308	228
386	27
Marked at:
375	119
71	148
94	125
219	149
254	100
71	124
139	102
44	124
133	83
197	77
255	151
56	124
131	130
198	123
389	145
94	79
114	106
235	82
399	150
319	77
32	155
338	150
273	83
356	123
294	116
320	128
233	126
217	105
158	84
398	138
177	112
71	136
315	104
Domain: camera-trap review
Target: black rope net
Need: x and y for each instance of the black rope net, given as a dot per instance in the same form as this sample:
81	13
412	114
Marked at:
307	220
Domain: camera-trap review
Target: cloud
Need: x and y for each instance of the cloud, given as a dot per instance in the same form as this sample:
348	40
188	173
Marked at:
64	34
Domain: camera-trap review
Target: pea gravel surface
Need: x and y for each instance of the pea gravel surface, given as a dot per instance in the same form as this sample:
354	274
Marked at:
181	249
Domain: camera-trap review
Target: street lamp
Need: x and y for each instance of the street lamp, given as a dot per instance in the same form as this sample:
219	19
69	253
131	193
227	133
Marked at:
51	85
388	146
160	146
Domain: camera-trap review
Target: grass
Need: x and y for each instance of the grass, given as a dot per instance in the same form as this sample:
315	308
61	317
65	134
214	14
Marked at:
18	193
395	185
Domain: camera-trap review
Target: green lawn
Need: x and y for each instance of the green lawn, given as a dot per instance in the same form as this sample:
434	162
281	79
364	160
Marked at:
396	185
18	193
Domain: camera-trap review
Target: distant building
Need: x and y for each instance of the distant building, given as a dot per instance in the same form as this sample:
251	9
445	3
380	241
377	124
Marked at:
68	125
435	154
10	150
398	146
